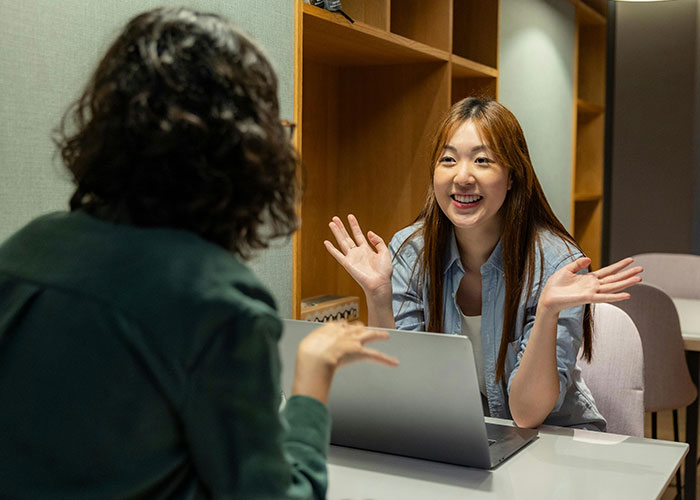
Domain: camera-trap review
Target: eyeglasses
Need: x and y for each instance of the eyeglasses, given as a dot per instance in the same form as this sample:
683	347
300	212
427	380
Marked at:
289	128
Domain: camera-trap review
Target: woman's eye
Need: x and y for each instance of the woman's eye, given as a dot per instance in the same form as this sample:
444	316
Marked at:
447	159
483	160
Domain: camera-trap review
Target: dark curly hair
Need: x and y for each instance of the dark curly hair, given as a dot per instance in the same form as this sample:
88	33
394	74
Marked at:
179	127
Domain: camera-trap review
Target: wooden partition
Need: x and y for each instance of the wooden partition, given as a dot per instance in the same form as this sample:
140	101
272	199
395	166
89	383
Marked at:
589	127
368	97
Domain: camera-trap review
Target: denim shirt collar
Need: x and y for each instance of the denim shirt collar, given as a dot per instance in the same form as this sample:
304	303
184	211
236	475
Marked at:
494	262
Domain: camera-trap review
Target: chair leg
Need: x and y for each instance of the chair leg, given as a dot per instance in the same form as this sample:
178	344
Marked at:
653	425
679	487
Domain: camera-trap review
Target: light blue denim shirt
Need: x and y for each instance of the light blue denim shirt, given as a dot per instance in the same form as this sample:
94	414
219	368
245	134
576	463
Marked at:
575	405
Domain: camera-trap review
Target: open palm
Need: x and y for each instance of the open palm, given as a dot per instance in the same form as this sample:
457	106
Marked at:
369	265
566	288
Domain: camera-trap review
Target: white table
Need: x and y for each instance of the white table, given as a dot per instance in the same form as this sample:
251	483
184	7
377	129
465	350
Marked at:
560	464
689	315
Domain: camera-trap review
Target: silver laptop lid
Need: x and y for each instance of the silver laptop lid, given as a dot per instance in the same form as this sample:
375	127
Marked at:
427	407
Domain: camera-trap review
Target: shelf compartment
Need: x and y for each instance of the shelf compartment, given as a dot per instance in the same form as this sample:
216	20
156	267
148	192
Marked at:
591	64
590	109
588	16
425	22
475	40
588	229
366	133
329	38
470	78
587	197
372	12
598	6
473	87
589	154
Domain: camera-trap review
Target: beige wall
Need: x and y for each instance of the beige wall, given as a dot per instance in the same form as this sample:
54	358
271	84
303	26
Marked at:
536	65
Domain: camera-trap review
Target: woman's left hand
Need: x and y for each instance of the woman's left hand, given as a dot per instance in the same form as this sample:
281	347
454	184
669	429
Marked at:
566	288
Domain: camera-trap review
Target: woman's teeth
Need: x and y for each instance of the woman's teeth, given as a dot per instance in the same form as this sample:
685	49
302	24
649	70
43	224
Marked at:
469	198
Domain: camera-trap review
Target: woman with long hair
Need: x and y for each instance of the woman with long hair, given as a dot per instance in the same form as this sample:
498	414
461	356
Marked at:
488	258
138	352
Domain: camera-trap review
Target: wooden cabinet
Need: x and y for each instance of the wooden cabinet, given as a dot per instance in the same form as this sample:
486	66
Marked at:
368	97
589	127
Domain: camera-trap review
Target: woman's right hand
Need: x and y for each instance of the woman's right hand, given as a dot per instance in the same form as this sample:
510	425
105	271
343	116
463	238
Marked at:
369	265
329	347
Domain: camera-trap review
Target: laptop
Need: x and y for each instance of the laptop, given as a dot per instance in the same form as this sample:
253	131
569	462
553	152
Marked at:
428	407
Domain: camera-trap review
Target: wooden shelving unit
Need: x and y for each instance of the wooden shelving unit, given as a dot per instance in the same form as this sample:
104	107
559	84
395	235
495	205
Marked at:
368	97
589	127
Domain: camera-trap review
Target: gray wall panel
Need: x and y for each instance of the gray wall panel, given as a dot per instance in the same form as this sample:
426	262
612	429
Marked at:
49	49
653	164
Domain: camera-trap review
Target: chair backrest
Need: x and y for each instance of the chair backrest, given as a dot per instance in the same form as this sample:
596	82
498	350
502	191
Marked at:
615	375
677	274
667	383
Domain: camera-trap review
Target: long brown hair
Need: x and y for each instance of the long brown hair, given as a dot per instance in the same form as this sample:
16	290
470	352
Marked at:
525	209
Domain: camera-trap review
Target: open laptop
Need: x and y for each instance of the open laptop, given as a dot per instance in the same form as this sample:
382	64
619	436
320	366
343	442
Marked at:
428	407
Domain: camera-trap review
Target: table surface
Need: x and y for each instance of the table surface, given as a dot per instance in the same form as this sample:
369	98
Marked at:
689	314
560	464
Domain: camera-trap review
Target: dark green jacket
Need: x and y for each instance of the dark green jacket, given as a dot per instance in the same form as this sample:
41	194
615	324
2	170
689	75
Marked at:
143	363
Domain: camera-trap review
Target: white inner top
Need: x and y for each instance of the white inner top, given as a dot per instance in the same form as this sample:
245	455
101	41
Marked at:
471	327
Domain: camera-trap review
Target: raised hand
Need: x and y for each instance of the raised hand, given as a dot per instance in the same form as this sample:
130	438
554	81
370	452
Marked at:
566	288
369	265
328	348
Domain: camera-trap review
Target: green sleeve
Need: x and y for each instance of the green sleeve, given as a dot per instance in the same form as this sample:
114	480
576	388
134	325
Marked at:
242	446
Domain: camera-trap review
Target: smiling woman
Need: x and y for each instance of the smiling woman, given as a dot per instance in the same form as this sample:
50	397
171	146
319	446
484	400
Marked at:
488	258
470	186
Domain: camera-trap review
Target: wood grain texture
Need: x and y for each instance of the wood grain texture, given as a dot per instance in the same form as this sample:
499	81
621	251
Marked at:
375	13
589	127
589	154
591	74
475	31
589	217
426	22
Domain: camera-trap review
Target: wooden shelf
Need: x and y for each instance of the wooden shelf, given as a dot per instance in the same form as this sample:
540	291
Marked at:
474	23
589	16
589	127
470	78
369	96
587	197
591	63
464	68
332	39
589	108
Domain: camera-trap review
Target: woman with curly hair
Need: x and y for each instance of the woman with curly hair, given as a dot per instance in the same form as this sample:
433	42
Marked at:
138	353
488	258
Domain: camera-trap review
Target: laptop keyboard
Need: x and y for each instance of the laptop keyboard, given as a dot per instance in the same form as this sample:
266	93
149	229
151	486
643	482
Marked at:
495	433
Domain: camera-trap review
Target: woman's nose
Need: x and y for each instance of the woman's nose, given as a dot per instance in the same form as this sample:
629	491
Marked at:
464	174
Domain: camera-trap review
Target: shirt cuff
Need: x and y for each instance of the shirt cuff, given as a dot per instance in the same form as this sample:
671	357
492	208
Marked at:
309	422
